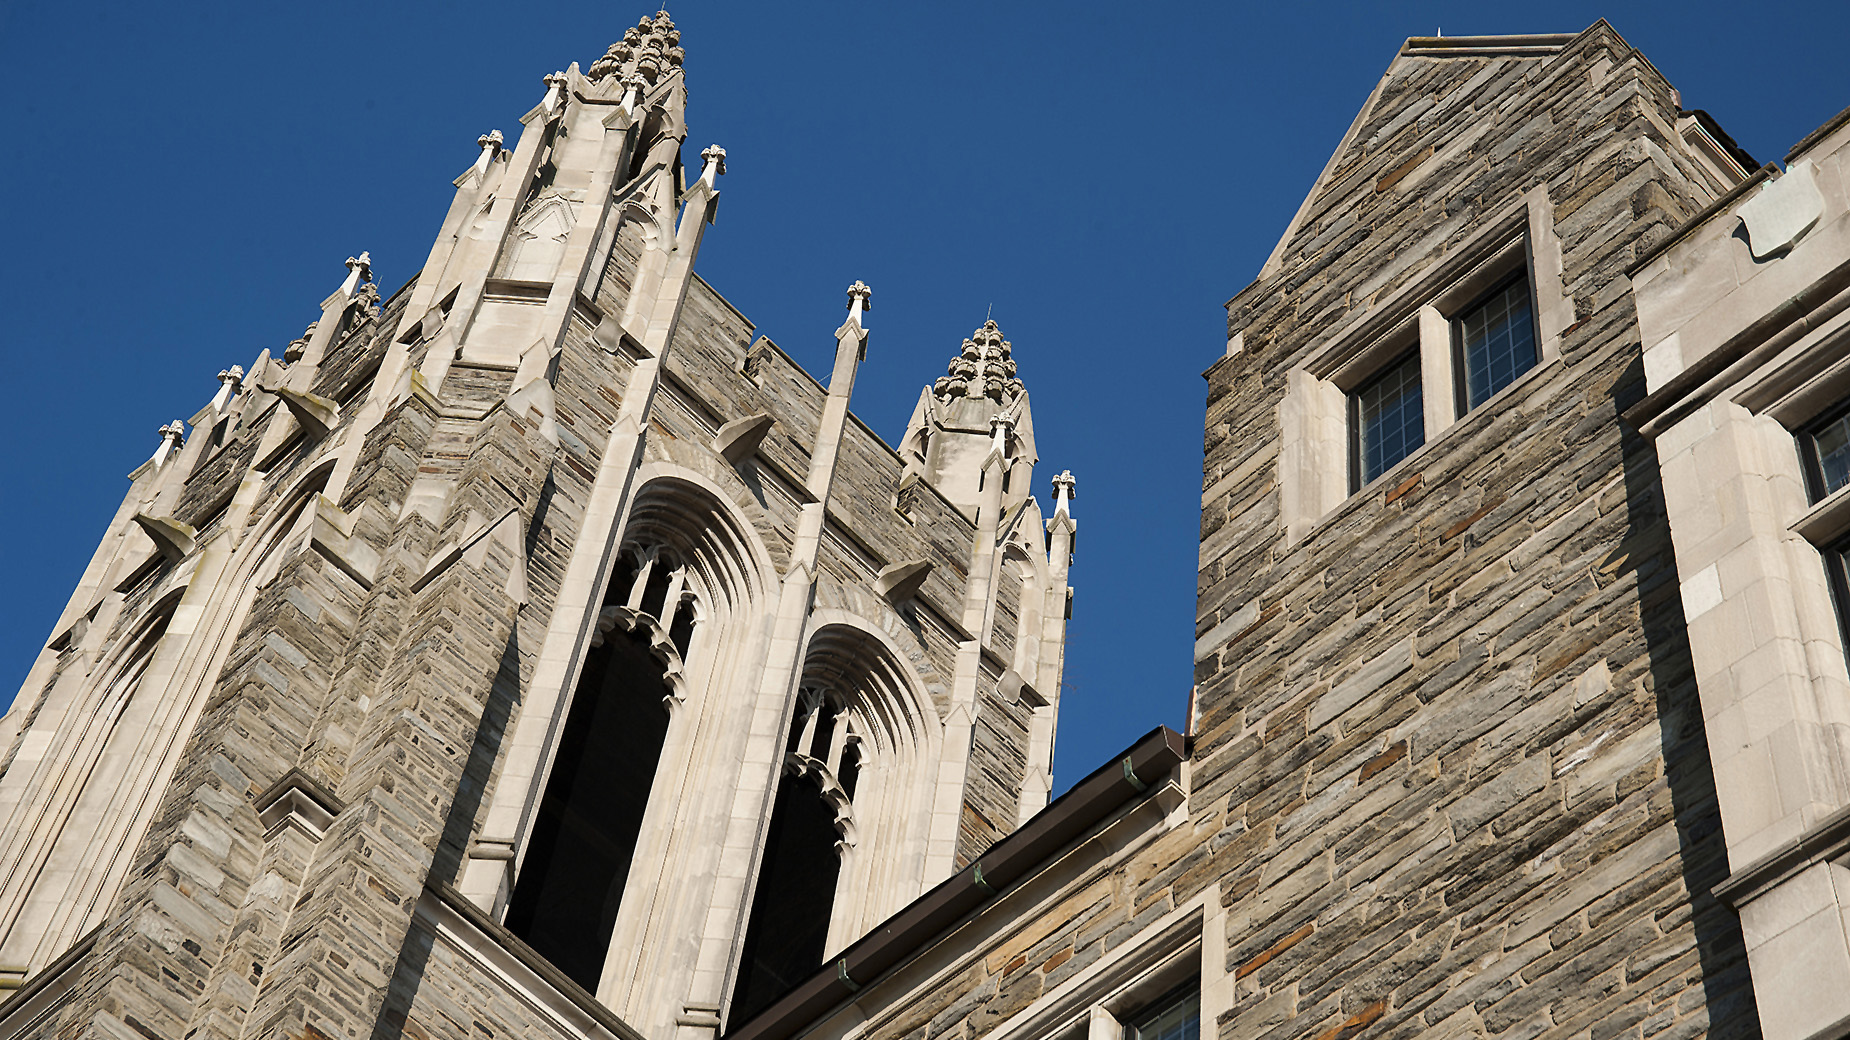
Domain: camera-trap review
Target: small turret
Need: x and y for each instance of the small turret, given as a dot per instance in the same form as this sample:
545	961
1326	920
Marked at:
979	408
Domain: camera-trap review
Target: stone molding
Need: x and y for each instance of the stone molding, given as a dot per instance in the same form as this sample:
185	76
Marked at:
297	801
1828	841
1314	446
462	926
31	1006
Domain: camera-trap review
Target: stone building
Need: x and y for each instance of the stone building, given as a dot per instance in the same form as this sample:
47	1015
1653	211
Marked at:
1520	655
1448	771
1747	360
537	650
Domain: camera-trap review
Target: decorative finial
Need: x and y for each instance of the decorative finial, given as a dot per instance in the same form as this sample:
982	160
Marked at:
632	94
860	298
229	380
713	158
1064	491
359	269
555	92
490	143
299	346
172	436
1001	429
651	48
984	369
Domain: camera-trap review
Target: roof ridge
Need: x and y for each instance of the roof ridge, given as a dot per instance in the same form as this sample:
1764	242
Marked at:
1516	45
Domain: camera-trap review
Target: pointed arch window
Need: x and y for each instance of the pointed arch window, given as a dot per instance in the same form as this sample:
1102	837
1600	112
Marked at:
812	823
585	833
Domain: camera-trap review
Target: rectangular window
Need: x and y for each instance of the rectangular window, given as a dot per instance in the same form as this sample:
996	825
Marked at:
1387	419
1176	1016
1494	340
1837	571
1825	448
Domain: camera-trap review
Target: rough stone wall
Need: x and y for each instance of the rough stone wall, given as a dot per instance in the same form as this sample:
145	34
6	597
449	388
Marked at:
1448	775
998	762
1448	753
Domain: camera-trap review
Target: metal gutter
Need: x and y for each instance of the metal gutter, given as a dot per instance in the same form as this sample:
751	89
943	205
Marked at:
1817	135
903	936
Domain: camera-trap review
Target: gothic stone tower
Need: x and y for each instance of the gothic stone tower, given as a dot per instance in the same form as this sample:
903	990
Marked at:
538	651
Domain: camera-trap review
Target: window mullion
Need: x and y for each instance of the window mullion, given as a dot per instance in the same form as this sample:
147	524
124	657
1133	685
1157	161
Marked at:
1438	378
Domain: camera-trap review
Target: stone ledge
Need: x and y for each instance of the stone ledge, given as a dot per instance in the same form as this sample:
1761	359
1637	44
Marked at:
454	920
1828	840
43	993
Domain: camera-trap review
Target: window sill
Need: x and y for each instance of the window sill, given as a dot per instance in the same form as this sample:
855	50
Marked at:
1401	471
1827	521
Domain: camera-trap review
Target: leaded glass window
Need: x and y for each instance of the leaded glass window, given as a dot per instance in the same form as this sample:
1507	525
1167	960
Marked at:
1177	1016
1496	341
1825	446
1387	417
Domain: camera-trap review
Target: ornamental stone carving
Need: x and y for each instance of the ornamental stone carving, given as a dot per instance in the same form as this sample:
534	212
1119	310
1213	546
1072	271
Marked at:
650	50
984	368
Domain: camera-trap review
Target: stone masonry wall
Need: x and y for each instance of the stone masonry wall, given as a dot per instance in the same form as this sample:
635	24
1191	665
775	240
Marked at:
1448	773
1448	745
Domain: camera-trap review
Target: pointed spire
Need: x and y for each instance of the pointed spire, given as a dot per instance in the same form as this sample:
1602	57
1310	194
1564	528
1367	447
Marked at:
651	50
984	369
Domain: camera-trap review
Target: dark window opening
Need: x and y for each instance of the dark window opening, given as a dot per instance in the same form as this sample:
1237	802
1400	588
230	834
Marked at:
1006	474
826	716
1176	1016
681	633
1824	447
792	901
850	771
622	581
570	885
1387	420
1837	570
656	594
1494	341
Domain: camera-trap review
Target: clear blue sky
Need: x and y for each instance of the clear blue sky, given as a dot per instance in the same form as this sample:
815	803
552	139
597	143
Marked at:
183	182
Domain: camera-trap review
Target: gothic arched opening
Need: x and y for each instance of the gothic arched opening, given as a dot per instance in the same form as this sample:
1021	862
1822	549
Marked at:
793	899
570	886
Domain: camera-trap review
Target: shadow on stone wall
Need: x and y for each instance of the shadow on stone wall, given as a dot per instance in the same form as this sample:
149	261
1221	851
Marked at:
446	865
1727	989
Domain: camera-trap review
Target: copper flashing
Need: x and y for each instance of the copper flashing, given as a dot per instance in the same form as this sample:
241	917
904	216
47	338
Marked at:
1522	46
907	933
1818	135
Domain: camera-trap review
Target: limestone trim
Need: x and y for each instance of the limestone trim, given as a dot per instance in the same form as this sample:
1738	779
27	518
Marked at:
32	1004
1315	437
731	569
1721	205
1828	841
900	743
296	802
1827	521
458	924
1091	1004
